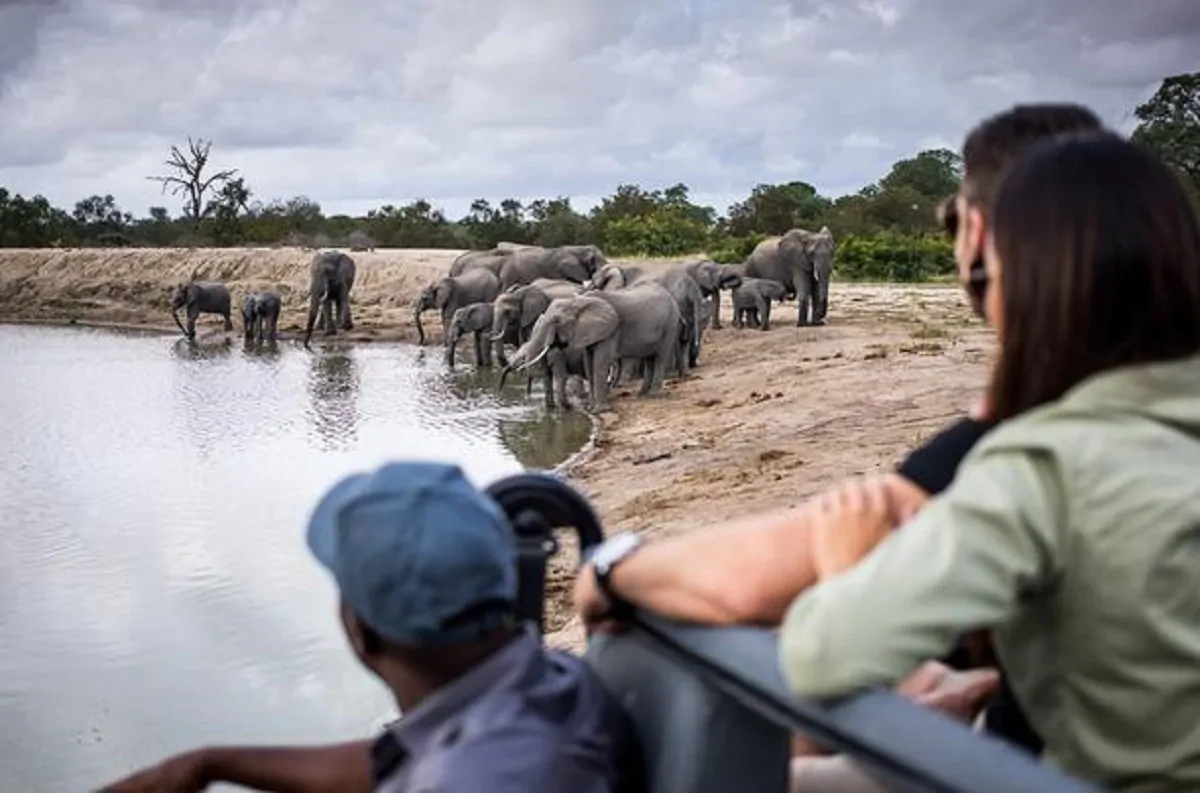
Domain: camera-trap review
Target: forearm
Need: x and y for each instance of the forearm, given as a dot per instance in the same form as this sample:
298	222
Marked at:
744	573
316	769
960	565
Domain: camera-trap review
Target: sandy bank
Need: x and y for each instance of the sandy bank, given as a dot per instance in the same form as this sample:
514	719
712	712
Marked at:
130	287
768	419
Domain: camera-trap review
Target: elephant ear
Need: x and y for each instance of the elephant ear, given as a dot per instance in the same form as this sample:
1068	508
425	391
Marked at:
534	303
444	291
595	321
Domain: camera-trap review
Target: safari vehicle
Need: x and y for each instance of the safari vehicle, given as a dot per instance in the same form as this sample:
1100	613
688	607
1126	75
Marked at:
710	706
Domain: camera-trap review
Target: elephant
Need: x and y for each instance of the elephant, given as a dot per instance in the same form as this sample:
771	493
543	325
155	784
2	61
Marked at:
803	262
517	308
200	297
640	322
567	263
331	277
712	278
612	276
557	368
489	260
688	297
753	297
476	319
683	288
260	311
452	293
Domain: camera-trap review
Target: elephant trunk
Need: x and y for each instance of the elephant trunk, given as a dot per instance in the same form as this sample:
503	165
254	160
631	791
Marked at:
175	316
420	330
503	376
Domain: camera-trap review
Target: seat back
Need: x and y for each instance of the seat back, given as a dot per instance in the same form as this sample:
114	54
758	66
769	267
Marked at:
695	738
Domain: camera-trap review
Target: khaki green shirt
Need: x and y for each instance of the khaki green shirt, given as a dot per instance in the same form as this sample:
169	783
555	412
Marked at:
1074	532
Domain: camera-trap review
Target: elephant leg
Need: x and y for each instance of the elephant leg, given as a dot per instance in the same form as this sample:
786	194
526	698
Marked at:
694	343
655	368
192	313
820	301
483	349
346	319
716	309
605	355
764	311
560	382
273	329
548	381
228	321
803	298
330	325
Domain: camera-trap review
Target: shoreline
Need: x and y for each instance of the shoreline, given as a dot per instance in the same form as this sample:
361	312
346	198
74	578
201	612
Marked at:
766	420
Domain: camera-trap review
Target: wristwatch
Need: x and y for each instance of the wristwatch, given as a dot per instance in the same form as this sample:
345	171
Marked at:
608	555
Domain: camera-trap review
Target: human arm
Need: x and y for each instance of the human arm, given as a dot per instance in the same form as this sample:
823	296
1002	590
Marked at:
749	572
308	769
960	564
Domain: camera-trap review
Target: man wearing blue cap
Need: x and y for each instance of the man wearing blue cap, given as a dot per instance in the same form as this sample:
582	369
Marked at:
426	568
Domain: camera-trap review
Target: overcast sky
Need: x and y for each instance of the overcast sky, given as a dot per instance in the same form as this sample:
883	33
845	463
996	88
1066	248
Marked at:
357	103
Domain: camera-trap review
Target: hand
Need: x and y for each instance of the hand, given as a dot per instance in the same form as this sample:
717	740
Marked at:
961	695
905	498
981	409
592	604
183	773
848	522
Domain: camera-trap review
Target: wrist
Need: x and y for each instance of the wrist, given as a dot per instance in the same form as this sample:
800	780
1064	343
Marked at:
208	761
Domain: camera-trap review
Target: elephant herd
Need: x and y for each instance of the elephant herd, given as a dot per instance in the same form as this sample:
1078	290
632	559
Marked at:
568	311
331	275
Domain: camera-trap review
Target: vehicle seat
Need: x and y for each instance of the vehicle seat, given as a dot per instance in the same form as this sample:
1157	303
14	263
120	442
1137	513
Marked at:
694	737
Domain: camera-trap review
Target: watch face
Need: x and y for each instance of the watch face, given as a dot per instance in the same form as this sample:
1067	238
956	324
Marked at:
614	549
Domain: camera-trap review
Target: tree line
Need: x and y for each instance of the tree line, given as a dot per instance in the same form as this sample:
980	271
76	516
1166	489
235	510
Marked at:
885	231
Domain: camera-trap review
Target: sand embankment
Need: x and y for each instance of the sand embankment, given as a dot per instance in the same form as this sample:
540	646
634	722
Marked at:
130	287
767	419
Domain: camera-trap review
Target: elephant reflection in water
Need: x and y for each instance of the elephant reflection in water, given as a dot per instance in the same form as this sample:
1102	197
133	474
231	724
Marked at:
333	382
546	441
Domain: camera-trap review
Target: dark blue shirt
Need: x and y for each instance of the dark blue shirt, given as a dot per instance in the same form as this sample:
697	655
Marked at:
526	719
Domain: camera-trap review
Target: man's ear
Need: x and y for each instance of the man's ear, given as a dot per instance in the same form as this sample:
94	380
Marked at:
976	230
365	642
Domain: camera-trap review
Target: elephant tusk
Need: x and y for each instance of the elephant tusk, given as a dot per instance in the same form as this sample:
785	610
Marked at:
538	357
496	336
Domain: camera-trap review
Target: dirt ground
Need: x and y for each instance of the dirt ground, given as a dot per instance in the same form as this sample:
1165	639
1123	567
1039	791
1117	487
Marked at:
767	419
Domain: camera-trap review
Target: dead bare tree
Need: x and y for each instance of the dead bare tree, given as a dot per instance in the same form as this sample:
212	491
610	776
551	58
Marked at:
189	179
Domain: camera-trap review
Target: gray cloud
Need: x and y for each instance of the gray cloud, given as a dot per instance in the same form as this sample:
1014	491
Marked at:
456	99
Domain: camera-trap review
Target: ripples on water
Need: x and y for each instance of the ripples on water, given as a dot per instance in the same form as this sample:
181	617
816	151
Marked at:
155	591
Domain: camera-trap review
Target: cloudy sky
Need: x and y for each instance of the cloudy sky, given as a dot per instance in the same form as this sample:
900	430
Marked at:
356	103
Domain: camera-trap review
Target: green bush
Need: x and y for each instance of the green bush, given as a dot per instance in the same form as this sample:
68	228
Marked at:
659	234
733	250
893	257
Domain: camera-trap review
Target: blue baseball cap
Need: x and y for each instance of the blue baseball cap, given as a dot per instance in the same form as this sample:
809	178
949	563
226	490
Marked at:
419	553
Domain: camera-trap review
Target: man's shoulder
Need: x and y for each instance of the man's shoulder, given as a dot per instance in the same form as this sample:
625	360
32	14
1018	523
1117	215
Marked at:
558	730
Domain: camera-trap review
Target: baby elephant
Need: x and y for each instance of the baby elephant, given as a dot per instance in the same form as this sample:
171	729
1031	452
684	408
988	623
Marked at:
260	311
752	301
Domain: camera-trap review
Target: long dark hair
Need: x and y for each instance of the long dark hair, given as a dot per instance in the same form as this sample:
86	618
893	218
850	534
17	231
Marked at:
1100	247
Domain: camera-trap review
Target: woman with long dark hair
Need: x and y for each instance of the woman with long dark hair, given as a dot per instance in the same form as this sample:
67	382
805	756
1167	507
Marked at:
1072	530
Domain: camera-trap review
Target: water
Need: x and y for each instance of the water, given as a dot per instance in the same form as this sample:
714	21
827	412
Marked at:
155	590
